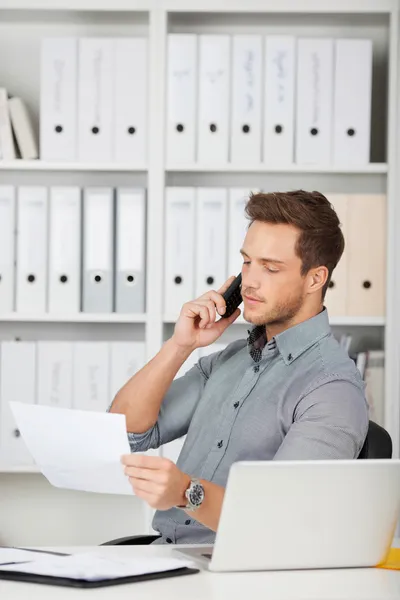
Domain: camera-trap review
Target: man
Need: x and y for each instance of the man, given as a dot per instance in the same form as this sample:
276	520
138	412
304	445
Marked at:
287	392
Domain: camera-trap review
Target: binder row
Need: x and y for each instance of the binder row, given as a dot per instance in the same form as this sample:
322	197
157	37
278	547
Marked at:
93	99
64	253
249	99
72	375
79	375
205	229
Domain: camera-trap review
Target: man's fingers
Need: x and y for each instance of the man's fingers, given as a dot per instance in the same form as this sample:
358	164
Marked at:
146	462
156	475
198	308
216	299
227	283
151	499
139	485
223	324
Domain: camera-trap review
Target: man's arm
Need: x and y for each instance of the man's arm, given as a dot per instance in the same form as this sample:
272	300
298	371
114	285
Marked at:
162	485
209	512
331	422
141	397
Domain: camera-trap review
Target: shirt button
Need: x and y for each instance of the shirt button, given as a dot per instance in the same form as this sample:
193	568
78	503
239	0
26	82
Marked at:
187	522
289	357
169	541
236	405
220	443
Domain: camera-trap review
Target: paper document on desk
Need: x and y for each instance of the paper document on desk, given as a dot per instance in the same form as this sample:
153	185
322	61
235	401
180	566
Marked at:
94	567
15	555
77	450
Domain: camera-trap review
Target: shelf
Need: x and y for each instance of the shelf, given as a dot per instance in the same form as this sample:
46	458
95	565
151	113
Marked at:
334	321
74	318
42	165
371	169
358	321
19	469
79	5
306	6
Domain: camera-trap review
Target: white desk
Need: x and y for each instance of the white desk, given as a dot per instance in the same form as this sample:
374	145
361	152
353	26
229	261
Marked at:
343	584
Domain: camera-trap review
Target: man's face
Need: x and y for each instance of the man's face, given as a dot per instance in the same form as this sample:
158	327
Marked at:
273	288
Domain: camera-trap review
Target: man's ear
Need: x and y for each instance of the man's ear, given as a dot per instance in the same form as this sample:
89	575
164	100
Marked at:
317	278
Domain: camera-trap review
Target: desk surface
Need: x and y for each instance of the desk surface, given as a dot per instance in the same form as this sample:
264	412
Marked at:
343	584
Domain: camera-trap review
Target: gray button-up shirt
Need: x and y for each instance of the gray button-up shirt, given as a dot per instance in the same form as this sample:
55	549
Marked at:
299	396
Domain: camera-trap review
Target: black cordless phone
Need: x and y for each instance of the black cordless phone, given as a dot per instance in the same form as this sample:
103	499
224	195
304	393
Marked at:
232	297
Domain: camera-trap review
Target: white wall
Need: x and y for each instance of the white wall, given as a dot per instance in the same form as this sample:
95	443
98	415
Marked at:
34	513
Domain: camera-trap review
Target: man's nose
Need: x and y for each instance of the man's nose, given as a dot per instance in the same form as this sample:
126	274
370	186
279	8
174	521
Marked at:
250	279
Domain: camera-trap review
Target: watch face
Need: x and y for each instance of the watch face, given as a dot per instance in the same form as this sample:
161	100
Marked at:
197	494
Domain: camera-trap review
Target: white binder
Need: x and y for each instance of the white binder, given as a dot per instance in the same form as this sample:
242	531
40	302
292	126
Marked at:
130	238
17	384
131	100
237	228
211	239
179	248
246	99
98	212
58	98
90	389
279	100
352	102
7	248
214	87
181	98
126	359
314	101
65	250
55	374
32	249
96	99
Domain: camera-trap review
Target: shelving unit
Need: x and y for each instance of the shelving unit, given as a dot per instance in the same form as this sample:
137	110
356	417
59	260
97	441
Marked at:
24	22
22	470
42	165
371	169
73	318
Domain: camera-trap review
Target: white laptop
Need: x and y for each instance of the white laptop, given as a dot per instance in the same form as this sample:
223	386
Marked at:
304	514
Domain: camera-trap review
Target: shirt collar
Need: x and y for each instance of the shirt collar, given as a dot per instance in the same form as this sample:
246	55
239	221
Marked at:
292	342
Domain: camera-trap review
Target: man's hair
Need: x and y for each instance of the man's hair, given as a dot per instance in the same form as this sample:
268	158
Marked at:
320	241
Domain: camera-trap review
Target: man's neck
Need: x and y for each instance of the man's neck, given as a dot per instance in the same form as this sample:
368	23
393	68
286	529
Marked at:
276	328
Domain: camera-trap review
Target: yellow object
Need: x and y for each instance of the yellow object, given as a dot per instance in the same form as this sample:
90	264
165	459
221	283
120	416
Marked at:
392	561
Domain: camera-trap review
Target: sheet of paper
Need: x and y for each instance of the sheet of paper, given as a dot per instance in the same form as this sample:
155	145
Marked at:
77	450
94	567
14	555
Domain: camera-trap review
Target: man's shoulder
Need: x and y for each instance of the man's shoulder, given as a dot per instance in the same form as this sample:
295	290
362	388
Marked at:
332	362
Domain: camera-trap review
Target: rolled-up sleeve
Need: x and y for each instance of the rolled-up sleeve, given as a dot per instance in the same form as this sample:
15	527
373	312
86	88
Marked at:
330	422
175	414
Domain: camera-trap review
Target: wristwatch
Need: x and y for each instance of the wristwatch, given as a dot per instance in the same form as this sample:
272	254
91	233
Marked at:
194	495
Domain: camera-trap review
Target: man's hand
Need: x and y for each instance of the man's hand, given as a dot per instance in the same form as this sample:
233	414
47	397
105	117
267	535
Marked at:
156	480
197	325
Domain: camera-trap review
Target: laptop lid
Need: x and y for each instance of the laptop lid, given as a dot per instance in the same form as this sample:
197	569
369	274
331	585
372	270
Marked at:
307	514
